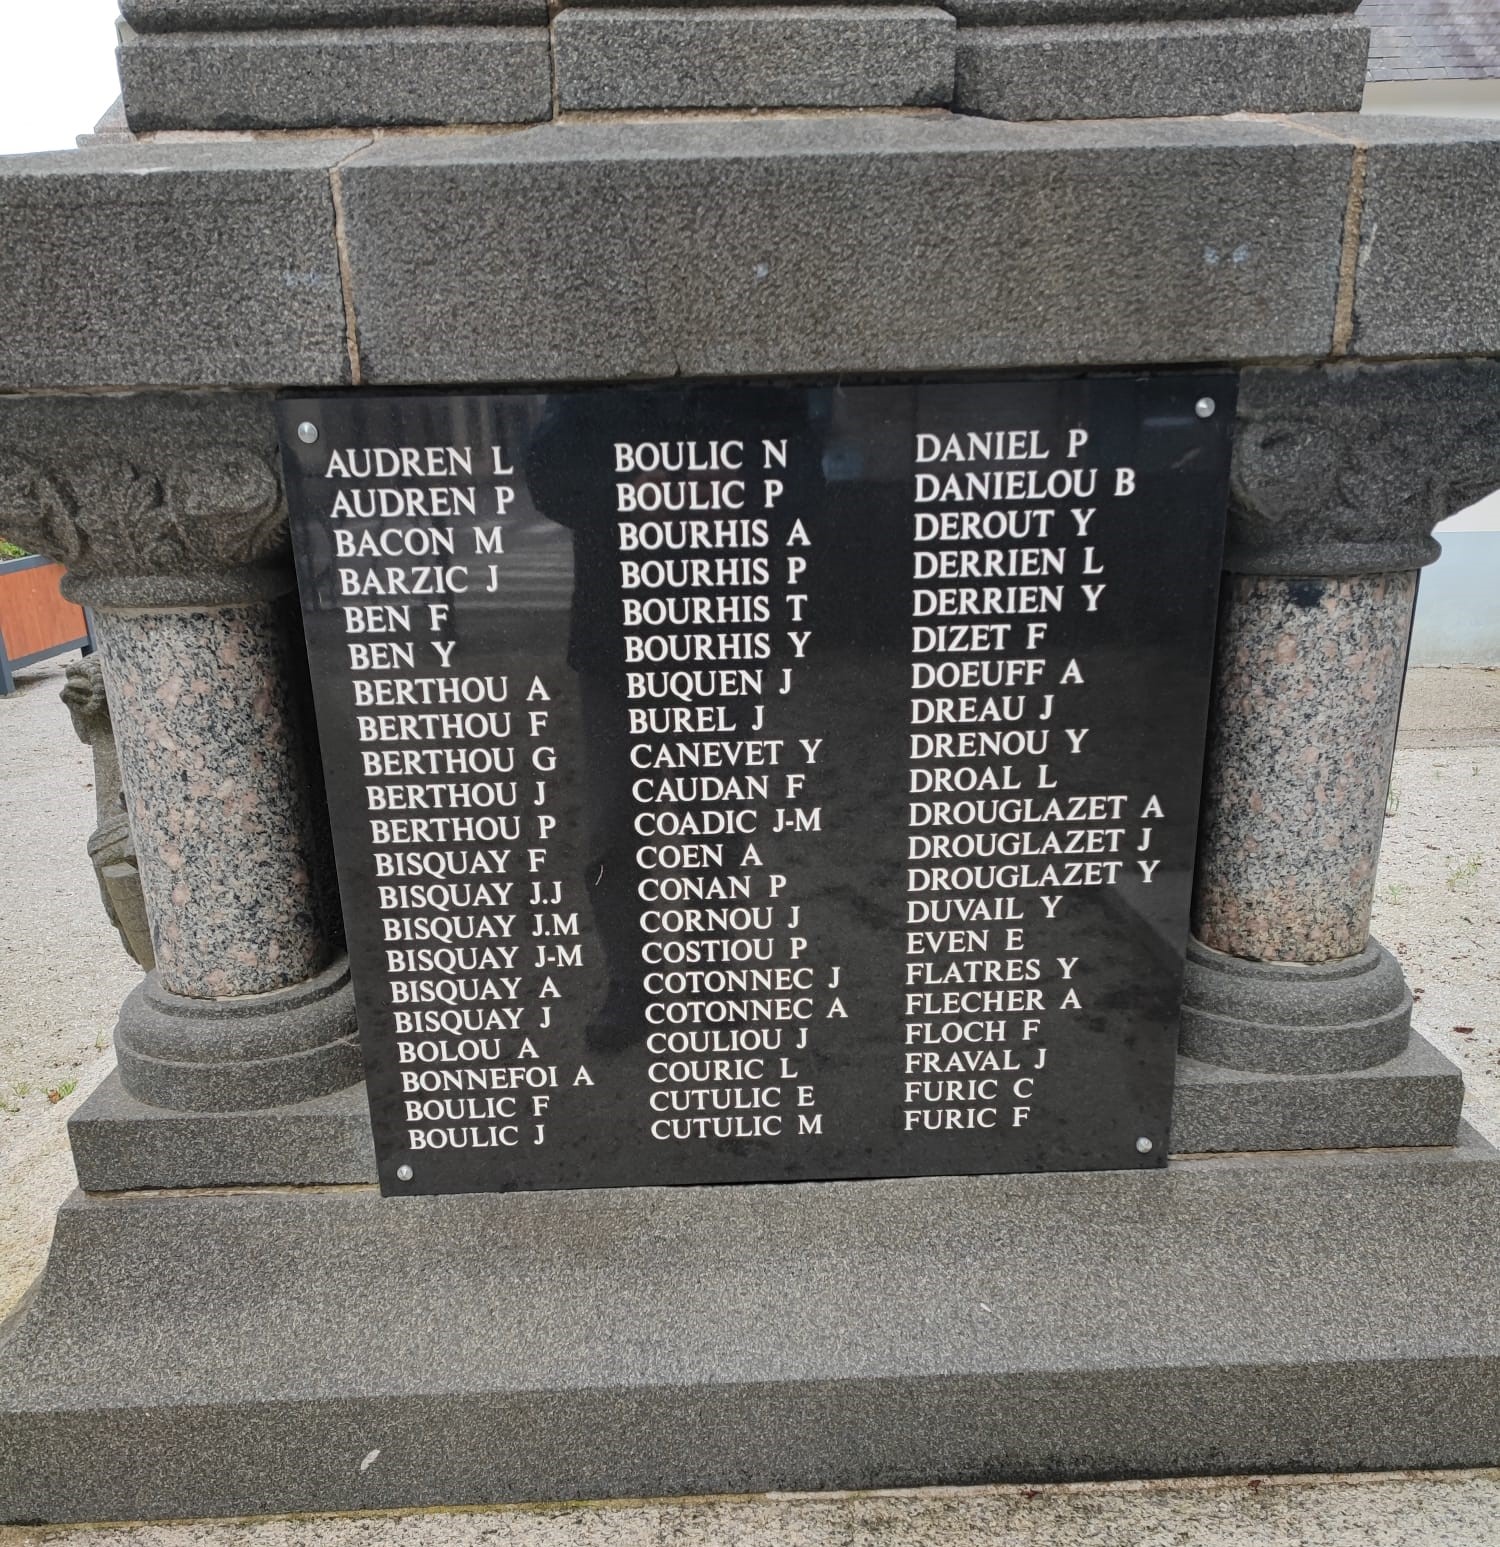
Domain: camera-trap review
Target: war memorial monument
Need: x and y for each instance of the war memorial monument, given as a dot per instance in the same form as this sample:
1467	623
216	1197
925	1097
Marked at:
754	655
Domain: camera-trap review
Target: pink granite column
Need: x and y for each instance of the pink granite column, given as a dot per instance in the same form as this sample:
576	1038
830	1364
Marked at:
1307	690
169	514
1339	476
218	796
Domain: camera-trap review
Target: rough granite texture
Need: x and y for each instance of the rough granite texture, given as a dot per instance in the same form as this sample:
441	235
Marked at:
1307	689
140	266
150	499
749	246
331	1350
1014	13
1415	1099
877	242
318	79
1294	1017
1429	270
760	56
1345	469
1162	69
250	15
239	1054
120	1143
1051	13
213	746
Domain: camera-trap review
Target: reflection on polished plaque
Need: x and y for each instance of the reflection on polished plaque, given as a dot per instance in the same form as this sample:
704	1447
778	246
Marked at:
755	782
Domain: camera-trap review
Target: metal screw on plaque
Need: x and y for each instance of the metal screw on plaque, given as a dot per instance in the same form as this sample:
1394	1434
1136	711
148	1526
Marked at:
307	431
1204	408
404	1173
1143	1144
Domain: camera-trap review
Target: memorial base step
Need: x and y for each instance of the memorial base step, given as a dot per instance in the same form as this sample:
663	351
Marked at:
198	1354
120	1144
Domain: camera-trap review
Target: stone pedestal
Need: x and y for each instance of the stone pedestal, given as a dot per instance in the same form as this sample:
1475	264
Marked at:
177	542
1238	1312
1311	1313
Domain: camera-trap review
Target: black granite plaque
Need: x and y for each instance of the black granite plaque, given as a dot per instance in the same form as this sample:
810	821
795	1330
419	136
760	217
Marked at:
755	782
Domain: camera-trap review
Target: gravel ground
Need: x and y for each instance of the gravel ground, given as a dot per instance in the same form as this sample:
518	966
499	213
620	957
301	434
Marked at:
1437	897
63	971
63	974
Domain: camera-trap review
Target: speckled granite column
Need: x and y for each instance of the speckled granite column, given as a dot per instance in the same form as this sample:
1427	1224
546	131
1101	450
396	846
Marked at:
1307	690
1339	476
218	796
168	512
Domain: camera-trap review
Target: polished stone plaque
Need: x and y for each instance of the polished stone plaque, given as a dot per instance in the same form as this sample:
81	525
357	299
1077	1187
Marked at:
744	782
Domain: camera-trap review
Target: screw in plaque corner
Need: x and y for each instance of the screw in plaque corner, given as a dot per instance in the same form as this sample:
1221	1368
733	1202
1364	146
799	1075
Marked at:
307	432
404	1173
1144	1145
1204	407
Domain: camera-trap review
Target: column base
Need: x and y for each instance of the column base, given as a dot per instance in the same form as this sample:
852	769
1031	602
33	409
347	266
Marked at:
243	1054
1239	1314
1291	1017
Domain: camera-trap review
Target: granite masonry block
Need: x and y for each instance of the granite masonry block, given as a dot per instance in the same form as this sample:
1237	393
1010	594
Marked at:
1414	1099
755	56
1055	13
273	15
356	78
121	1144
149	265
718	247
1013	13
329	1348
1428	276
1162	69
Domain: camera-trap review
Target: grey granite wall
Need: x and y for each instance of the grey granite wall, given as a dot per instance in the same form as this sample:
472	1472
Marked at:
871	241
253	64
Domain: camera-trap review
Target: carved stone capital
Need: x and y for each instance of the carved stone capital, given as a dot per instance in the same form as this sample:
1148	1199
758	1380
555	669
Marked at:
155	501
1345	470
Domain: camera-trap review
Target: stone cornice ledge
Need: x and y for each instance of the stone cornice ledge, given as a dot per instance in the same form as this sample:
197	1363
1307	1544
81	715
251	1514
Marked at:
713	246
211	264
592	250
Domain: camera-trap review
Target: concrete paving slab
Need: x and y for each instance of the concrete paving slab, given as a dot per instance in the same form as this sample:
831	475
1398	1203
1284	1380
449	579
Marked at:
1397	1510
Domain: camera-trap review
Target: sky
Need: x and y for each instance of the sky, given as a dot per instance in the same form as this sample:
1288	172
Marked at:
57	71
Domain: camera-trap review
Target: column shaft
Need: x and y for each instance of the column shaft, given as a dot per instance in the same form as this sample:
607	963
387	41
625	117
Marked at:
1307	694
212	755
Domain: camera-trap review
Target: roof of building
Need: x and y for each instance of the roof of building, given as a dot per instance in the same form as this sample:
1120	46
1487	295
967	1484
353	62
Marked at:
1424	40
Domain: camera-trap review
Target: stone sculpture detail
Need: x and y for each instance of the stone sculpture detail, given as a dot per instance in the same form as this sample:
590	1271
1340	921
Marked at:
1346	470
214	517
110	846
